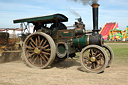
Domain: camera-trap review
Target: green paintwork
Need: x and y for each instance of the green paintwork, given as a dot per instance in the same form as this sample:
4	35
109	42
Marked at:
71	48
80	42
61	48
66	34
44	19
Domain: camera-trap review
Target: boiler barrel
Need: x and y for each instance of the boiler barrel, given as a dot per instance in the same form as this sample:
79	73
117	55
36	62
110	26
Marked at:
88	40
81	42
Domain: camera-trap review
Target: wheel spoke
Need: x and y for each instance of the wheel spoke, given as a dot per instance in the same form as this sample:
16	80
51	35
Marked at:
40	60
93	66
89	64
99	63
96	52
44	42
30	51
43	58
86	59
30	55
32	45
90	54
41	42
37	59
98	55
33	41
46	53
29	47
102	57
34	60
47	50
36	42
39	38
91	51
45	46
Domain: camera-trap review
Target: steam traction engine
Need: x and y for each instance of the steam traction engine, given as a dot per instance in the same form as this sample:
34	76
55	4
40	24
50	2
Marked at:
56	43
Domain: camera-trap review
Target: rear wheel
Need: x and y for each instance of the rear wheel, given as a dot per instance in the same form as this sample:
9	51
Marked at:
39	50
93	58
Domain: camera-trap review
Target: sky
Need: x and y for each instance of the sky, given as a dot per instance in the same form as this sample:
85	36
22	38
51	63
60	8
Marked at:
109	11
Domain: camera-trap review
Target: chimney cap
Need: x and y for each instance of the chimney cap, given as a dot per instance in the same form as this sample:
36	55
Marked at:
95	5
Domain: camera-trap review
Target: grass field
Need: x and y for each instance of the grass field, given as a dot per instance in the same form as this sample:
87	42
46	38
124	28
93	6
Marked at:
120	52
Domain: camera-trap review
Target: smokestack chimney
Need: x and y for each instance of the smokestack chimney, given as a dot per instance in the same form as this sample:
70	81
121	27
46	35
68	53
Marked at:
95	18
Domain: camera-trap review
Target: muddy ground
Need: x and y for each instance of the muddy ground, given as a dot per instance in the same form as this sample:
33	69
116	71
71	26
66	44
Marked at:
65	73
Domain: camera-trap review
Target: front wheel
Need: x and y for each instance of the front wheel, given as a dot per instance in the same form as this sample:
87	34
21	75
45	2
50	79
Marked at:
94	58
110	54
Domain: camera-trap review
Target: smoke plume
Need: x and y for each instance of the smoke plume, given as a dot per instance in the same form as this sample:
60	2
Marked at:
74	12
85	2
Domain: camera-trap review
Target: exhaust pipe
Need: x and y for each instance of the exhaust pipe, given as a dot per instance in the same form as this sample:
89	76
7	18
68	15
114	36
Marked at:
95	18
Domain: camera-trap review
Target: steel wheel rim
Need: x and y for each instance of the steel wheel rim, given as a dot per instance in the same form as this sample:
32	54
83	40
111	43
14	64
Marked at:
93	59
37	50
110	53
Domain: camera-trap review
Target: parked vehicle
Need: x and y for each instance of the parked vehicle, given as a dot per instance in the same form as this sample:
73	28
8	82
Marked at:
56	43
10	48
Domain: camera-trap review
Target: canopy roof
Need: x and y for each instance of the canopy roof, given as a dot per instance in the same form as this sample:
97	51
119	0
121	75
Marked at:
44	19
